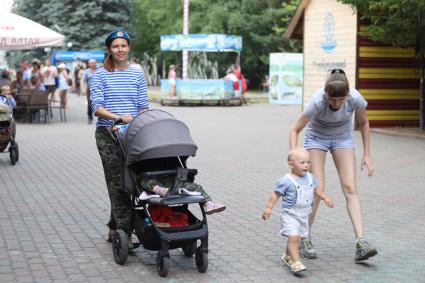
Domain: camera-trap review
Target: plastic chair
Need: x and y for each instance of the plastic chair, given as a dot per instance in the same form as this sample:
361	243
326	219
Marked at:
39	105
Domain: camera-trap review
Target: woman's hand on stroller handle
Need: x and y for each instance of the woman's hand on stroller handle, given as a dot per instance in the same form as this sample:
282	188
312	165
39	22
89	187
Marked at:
120	120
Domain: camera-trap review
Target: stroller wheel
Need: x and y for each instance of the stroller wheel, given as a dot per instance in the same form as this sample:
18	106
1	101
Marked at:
120	247
162	264
14	154
201	260
190	249
17	151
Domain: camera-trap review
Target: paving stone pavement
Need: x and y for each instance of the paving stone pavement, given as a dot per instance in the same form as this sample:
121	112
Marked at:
54	205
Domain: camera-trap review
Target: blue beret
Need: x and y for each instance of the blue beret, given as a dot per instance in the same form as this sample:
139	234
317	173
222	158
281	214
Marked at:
117	34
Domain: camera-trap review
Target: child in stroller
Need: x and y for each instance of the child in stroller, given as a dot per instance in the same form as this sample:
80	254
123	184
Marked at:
7	124
161	185
154	148
7	97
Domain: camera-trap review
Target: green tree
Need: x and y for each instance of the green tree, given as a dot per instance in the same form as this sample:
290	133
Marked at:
399	23
151	19
260	23
84	23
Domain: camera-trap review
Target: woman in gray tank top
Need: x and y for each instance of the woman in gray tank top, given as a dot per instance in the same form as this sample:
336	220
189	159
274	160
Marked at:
327	120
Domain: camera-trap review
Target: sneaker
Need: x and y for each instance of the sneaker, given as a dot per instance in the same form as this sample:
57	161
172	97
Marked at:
111	234
364	250
307	249
297	266
286	260
212	207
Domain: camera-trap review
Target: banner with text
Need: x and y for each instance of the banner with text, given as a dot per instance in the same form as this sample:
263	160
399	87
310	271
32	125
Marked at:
201	42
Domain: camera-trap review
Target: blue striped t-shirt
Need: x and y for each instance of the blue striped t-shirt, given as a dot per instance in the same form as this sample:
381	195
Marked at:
120	92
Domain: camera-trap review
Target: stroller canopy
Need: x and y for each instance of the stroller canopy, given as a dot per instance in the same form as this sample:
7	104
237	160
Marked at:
156	134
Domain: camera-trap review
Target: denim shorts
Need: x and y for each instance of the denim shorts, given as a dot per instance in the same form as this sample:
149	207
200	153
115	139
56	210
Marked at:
311	142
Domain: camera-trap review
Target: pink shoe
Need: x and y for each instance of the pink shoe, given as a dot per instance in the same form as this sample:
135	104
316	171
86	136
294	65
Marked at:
212	207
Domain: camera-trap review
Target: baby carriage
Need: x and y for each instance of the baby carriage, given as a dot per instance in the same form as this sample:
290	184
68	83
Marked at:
8	131
156	144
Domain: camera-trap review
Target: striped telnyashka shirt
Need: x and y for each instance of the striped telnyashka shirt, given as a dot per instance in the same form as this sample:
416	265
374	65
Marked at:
120	92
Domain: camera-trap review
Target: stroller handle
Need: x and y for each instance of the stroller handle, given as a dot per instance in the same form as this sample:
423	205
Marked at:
116	122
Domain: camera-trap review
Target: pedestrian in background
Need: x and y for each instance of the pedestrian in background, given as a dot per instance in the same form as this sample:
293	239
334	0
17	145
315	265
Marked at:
242	86
50	73
116	91
63	84
5	78
17	83
327	120
36	83
85	87
75	79
134	64
36	70
26	73
172	81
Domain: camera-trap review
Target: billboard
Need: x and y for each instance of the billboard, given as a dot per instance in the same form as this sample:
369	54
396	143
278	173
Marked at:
201	42
286	78
199	89
82	55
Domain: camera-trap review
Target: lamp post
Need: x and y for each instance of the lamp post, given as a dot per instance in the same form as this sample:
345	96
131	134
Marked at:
69	45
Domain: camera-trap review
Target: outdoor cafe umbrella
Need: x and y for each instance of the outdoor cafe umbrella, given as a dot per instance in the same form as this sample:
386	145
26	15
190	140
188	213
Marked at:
18	33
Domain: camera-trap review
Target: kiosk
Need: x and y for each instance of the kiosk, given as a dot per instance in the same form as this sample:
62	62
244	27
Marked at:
205	91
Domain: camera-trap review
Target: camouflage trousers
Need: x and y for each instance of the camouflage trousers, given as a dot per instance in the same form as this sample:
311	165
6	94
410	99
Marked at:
120	201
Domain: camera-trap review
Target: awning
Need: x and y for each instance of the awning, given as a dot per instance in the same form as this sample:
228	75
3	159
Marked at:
19	33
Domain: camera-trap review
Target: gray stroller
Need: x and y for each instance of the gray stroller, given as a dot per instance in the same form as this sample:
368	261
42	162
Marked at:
156	144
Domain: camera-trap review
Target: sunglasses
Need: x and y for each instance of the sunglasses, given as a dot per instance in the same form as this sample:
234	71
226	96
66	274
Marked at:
337	71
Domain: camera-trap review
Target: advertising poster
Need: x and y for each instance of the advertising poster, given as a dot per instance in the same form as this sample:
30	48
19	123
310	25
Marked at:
286	78
201	42
199	89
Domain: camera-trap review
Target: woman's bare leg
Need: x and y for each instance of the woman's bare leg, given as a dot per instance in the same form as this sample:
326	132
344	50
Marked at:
317	157
172	90
345	163
317	168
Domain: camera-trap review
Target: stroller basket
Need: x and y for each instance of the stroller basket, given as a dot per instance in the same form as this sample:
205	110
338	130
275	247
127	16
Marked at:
150	234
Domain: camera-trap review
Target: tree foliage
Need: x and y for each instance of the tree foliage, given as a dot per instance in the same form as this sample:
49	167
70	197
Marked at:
397	22
260	23
84	23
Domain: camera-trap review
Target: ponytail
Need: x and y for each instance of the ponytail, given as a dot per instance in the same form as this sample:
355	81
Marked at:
109	63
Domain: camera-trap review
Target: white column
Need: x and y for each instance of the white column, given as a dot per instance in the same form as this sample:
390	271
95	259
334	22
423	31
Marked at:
185	32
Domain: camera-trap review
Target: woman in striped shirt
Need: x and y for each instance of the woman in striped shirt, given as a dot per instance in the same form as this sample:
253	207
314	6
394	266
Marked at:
116	91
